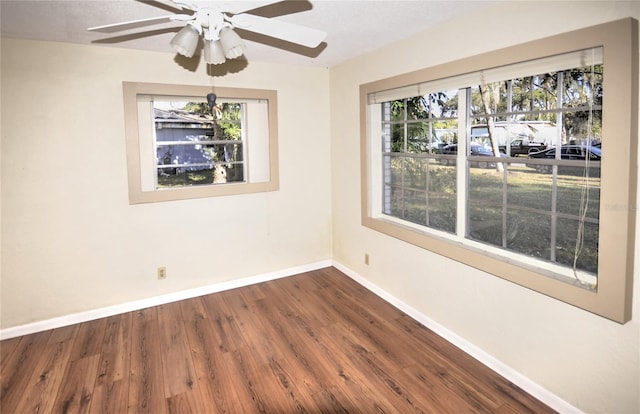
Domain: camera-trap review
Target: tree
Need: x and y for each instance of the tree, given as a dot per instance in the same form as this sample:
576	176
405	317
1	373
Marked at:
490	94
225	123
414	131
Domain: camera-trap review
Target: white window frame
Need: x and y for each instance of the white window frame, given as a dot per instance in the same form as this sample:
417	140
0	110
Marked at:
613	297
140	145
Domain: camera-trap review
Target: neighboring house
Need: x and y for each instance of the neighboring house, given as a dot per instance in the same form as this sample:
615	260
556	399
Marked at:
173	128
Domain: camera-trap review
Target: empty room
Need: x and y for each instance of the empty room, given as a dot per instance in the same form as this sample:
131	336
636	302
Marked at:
319	206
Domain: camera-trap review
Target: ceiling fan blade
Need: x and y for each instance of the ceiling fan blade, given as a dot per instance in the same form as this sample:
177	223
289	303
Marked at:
184	5
235	7
134	24
290	32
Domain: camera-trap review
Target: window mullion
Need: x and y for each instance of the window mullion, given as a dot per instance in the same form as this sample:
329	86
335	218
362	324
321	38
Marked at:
554	178
155	141
464	131
505	171
246	160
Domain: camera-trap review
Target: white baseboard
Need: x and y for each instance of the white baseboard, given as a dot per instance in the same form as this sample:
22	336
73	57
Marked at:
154	301
496	365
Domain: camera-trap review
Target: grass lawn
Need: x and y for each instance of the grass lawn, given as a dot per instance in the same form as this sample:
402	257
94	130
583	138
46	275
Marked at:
522	211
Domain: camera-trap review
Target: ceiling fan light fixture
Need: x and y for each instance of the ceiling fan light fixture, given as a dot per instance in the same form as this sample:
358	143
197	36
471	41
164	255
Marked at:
213	52
232	44
185	41
216	24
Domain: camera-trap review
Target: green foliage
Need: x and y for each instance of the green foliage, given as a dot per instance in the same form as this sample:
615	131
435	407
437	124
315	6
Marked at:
198	108
415	120
534	95
226	121
228	117
231	114
422	116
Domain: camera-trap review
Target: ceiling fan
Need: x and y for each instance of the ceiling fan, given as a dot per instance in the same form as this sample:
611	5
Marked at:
215	21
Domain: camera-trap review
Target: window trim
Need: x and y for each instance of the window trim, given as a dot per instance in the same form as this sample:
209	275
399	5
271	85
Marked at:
137	195
613	297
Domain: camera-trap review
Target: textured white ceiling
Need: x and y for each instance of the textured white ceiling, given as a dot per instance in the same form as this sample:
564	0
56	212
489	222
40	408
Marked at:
354	27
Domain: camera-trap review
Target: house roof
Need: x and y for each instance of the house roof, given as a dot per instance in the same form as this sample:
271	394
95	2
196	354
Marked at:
178	118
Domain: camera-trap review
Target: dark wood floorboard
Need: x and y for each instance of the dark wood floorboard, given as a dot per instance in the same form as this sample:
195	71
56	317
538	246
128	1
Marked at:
313	343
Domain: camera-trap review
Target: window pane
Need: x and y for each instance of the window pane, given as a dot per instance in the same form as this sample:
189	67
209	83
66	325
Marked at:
415	206
526	188
394	168
582	127
442	197
534	93
529	233
418	137
488	99
442	179
572	233
576	193
485	187
582	86
183	155
393	204
485	224
398	138
397	110
416	173
442	212
443	104
416	108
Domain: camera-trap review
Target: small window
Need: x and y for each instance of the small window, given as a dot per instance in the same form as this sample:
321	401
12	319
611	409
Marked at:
196	144
498	161
180	145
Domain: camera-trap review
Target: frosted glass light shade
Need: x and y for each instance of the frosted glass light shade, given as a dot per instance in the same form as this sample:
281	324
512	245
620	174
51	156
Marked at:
213	52
186	41
232	44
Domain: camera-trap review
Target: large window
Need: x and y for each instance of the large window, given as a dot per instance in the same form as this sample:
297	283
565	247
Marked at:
182	145
503	167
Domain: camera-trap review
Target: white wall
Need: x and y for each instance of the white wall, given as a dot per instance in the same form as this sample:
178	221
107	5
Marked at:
70	240
591	362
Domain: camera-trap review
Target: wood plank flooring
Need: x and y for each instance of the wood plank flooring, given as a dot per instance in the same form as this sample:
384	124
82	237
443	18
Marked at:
312	343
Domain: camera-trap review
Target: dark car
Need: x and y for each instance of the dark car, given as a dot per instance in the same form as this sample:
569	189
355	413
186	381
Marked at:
522	146
475	150
568	152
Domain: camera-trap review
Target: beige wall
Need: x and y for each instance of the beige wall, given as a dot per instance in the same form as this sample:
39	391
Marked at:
70	240
591	362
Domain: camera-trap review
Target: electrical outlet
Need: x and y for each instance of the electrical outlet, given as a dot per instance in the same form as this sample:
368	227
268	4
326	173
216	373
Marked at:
366	259
162	273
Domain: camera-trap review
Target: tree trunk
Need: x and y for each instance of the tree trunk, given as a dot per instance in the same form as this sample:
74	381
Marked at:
485	92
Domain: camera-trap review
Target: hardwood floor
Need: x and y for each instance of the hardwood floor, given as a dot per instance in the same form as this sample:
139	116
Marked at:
312	343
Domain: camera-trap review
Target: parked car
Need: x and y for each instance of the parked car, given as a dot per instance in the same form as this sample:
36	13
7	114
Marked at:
568	152
475	150
523	147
